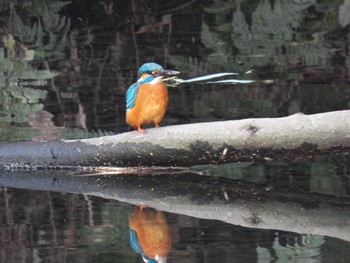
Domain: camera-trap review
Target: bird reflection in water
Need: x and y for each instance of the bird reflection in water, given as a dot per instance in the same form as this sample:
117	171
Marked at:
150	234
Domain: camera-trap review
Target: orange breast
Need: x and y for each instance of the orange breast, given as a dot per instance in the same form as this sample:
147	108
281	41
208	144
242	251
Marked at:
150	105
152	231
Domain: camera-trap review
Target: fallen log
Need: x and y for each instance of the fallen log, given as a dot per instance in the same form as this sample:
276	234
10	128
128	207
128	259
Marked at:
287	138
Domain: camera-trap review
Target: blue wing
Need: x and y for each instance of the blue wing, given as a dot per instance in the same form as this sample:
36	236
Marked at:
133	90
131	95
134	242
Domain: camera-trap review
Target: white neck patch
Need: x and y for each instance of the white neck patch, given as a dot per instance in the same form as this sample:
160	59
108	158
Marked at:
156	80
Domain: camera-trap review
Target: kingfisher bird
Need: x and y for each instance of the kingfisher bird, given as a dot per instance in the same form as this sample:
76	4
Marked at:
147	99
150	234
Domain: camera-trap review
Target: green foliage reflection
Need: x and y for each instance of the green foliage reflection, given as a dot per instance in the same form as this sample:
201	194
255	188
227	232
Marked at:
31	30
244	35
17	98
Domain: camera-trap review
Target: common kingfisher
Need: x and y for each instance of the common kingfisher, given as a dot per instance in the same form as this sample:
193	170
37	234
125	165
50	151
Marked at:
147	99
150	234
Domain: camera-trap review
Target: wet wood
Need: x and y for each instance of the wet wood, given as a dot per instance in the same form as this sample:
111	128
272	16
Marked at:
295	137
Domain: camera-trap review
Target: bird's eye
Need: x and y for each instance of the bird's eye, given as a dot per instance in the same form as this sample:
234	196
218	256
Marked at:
150	72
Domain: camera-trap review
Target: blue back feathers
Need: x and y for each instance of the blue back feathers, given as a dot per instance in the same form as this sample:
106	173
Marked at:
134	88
131	95
134	242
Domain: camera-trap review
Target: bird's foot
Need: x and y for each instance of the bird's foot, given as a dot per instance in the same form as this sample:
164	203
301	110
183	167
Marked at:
157	125
140	129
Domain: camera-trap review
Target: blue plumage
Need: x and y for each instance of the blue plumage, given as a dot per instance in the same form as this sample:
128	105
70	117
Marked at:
149	260
148	67
133	90
131	95
134	241
147	99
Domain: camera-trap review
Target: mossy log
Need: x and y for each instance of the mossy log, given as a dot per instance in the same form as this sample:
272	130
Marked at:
293	137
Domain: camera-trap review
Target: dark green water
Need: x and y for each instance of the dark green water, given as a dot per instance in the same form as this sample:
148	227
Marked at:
64	71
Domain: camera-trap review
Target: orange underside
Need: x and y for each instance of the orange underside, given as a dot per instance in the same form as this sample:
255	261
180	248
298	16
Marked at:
150	105
152	231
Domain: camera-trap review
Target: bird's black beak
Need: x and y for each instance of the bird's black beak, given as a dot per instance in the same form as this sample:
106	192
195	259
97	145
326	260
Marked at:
165	73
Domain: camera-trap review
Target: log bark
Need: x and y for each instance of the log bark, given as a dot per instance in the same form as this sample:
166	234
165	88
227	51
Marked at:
293	137
234	202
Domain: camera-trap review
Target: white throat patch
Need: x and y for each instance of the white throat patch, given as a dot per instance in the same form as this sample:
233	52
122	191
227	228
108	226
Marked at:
156	80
